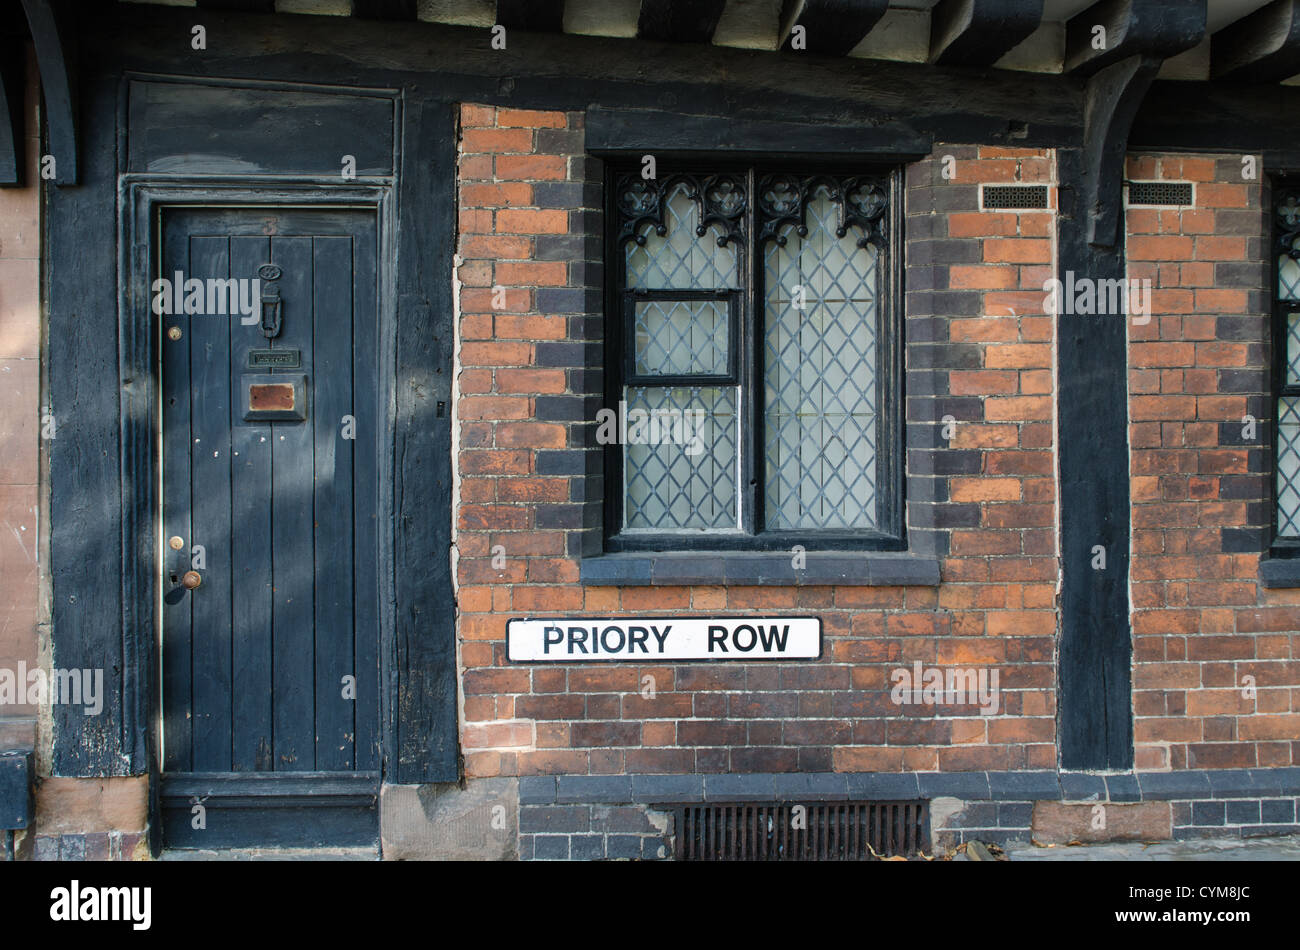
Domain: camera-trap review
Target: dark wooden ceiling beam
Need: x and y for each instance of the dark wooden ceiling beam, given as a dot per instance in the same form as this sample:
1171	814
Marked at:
832	27
536	16
384	9
1261	47
56	59
1153	28
679	21
980	32
246	6
1230	117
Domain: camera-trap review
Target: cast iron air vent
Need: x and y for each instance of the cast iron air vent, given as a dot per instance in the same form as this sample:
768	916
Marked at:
1160	193
825	831
1002	197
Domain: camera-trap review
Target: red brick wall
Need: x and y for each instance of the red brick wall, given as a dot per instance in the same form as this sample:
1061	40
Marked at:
979	348
1201	493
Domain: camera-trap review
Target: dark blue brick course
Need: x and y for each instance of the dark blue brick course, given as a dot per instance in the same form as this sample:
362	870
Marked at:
631	819
594	788
823	785
755	787
868	787
1166	785
1233	783
1242	812
1280	782
555	819
1028	786
1258	831
1123	788
1015	814
551	847
1192	833
964	785
1208	813
587	847
667	788
1082	787
978	815
1277	812
537	790
623	846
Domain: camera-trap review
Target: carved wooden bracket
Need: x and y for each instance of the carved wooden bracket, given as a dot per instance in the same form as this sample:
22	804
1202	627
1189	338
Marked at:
1112	100
56	57
1119	45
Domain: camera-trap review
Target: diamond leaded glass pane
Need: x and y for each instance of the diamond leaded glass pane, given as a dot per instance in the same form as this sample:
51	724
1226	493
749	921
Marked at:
1288	466
1288	276
680	458
820	376
681	337
682	260
1293	349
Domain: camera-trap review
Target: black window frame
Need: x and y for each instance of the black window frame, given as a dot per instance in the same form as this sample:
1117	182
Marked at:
746	342
1279	241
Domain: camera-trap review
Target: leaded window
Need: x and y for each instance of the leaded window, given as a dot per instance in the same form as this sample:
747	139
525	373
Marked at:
753	359
1287	484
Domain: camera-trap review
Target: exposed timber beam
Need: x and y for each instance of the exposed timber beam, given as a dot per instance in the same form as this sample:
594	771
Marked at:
980	32
830	27
1261	47
679	21
535	16
244	6
384	9
1113	30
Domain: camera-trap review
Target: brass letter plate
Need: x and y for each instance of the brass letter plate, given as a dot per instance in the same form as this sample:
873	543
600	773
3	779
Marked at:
278	398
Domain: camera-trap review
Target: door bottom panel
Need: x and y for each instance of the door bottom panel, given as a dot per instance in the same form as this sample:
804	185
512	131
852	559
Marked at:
284	810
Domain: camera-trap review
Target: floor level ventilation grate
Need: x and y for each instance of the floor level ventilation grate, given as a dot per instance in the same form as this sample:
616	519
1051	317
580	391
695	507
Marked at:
792	831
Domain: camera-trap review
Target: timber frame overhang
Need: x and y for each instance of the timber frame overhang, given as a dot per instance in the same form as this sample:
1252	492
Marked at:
673	69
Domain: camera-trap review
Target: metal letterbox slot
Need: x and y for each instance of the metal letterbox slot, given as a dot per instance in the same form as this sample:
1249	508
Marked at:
280	359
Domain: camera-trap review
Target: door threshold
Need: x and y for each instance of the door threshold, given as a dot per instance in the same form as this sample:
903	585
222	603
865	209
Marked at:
270	854
271	811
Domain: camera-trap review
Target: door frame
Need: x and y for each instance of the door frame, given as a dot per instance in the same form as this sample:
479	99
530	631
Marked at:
142	200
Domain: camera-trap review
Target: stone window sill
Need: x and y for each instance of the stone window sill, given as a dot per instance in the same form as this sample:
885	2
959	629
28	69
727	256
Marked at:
754	568
1280	572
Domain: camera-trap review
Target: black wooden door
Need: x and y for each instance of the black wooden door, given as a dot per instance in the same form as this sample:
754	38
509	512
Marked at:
270	432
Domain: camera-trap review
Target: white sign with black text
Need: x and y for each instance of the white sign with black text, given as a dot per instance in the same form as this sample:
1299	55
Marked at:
574	639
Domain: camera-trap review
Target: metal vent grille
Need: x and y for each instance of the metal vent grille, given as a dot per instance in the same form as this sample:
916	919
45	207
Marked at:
997	197
1160	192
825	831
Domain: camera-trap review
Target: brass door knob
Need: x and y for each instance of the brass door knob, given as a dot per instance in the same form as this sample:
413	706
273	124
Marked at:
191	580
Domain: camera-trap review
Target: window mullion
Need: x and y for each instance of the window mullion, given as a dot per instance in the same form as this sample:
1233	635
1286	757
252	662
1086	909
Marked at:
750	355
